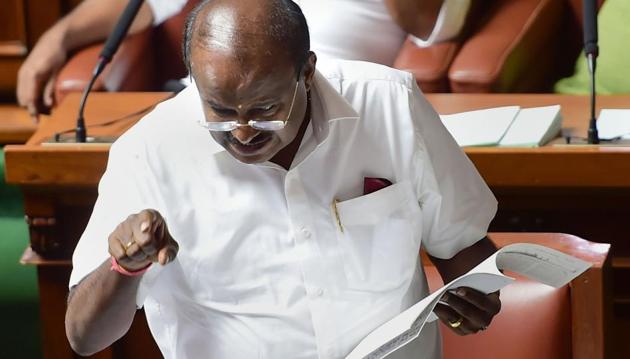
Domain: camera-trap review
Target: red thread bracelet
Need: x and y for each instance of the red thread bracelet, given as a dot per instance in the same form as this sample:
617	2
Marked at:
118	268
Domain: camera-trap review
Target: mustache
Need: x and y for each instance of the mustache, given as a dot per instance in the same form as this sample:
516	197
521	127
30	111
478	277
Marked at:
259	138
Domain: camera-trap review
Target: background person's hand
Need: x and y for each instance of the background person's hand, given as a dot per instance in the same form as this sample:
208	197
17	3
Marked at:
467	310
141	239
37	75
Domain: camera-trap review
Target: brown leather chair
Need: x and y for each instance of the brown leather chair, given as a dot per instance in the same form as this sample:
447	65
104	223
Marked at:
506	46
538	321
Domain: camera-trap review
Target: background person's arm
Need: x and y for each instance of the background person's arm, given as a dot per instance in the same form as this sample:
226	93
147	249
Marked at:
416	17
90	21
430	21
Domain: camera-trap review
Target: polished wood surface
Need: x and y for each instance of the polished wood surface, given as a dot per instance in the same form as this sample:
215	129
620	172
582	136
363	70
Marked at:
547	166
76	164
16	126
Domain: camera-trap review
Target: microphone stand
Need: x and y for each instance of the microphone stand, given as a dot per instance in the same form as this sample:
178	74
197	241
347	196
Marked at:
593	135
591	50
81	132
109	49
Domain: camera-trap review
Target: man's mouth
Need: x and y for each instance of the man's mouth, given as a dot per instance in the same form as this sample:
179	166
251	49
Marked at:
251	147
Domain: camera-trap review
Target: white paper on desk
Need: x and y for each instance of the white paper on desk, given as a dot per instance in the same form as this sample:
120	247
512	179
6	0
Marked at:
613	123
537	262
533	127
482	127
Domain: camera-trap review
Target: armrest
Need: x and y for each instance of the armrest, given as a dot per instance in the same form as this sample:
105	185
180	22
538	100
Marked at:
512	51
132	68
429	65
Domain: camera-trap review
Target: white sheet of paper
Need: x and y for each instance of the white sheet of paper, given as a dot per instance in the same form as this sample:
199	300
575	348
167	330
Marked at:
482	127
533	127
613	123
534	261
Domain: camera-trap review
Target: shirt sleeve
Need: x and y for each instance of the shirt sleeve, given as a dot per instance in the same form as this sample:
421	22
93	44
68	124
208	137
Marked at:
448	25
457	205
126	188
164	9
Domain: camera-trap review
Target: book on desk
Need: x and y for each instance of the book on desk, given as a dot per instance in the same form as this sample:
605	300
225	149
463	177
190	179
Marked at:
508	126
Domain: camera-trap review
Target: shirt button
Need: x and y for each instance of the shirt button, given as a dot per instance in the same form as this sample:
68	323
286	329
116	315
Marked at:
316	292
306	233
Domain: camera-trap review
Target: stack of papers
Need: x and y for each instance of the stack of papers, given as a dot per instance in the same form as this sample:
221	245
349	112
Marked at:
505	126
613	124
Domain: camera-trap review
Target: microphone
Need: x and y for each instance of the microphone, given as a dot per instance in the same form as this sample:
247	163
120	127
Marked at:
110	48
591	50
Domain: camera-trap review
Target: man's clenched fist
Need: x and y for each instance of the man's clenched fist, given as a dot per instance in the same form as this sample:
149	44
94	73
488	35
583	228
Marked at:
141	239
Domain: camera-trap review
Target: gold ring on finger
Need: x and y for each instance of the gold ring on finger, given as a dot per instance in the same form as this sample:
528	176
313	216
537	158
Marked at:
457	323
129	244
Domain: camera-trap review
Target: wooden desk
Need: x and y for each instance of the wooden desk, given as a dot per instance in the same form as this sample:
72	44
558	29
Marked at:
16	125
581	190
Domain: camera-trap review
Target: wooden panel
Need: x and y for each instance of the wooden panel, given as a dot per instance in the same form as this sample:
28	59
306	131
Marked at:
9	67
12	23
40	15
22	22
13	46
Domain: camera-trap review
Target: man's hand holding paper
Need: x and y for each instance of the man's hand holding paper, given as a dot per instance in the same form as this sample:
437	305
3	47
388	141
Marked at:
466	310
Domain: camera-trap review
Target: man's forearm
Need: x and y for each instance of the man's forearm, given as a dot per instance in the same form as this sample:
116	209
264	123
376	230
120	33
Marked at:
93	20
465	260
416	17
100	309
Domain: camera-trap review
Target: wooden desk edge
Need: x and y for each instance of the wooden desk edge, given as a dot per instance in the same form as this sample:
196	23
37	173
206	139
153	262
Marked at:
30	257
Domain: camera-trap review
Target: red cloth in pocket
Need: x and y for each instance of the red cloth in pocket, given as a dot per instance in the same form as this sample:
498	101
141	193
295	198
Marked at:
373	184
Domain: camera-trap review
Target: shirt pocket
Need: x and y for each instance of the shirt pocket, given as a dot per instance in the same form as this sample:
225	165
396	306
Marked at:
379	238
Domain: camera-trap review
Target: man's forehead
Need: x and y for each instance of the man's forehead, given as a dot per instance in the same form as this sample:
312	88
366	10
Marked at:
219	30
227	66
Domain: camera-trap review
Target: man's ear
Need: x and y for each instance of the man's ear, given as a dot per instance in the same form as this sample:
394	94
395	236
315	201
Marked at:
309	69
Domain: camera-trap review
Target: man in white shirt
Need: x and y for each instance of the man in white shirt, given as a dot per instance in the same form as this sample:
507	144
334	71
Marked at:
367	30
248	189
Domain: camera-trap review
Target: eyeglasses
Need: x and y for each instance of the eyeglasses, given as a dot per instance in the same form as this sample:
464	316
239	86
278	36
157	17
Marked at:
262	125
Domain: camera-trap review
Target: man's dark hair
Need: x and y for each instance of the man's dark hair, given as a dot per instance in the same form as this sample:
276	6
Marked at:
287	26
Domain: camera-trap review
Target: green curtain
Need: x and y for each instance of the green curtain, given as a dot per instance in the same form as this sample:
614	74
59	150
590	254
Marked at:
613	63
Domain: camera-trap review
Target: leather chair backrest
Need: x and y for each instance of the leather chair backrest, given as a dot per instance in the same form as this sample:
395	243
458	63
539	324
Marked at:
534	322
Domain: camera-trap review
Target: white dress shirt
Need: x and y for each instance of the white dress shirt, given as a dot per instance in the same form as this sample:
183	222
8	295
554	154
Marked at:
354	29
264	270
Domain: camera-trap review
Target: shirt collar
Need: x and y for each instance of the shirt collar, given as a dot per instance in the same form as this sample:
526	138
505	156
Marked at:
328	105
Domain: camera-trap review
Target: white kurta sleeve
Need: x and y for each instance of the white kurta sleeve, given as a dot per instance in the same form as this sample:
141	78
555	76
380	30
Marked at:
126	188
457	205
163	9
449	23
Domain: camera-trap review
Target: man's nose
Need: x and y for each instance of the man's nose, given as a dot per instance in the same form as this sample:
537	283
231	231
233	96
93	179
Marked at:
245	134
